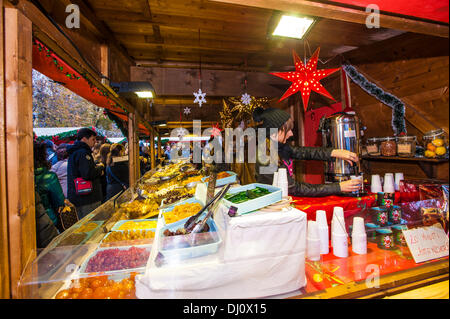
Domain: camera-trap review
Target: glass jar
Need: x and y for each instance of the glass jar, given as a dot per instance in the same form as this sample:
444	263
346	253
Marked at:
406	146
435	143
388	146
373	146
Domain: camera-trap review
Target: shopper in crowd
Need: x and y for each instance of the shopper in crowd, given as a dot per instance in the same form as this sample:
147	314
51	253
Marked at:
117	173
51	152
82	168
281	120
102	158
60	168
46	231
96	151
47	184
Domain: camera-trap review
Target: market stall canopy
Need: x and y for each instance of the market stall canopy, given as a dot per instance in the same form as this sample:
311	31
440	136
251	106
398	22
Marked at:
63	134
436	10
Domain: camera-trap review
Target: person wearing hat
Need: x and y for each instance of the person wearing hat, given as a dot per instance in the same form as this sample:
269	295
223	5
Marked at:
282	121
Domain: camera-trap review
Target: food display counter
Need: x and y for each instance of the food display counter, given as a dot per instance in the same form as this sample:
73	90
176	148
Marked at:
140	244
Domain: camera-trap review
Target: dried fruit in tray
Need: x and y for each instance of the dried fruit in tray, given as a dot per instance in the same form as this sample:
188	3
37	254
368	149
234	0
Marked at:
137	225
140	209
118	259
128	238
181	211
220	176
100	287
86	228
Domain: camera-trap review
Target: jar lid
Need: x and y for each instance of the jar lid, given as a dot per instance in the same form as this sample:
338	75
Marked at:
410	137
434	132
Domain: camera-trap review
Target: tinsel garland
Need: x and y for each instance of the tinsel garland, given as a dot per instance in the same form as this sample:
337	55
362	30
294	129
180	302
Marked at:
398	107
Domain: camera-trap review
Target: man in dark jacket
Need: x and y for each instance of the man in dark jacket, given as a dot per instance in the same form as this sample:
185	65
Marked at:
281	120
81	164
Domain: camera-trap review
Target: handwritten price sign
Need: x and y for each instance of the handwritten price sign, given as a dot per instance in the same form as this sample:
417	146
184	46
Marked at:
427	243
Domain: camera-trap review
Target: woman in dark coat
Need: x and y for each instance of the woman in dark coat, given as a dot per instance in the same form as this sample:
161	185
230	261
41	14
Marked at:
117	173
281	120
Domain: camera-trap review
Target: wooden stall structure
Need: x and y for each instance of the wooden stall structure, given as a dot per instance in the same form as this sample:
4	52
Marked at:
224	48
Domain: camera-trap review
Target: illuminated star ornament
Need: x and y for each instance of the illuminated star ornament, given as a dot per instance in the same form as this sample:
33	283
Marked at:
306	78
246	99
187	110
200	97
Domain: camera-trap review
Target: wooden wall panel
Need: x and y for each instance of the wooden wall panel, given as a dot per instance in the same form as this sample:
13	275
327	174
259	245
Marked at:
19	144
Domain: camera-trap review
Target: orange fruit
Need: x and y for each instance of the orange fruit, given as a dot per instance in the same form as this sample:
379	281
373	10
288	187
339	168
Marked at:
440	150
63	294
87	293
431	147
438	142
96	283
429	153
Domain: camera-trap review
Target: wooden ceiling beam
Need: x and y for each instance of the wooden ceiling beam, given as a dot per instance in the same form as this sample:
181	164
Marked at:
100	26
335	12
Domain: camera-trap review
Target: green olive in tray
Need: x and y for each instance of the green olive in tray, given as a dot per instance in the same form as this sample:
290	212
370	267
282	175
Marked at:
244	196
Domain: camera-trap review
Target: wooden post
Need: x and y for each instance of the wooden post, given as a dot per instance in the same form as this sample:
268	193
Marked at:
18	125
131	148
104	63
4	254
152	149
159	145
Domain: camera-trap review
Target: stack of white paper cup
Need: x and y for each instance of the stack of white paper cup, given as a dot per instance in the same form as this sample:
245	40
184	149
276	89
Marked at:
359	237
312	242
282	181
322	226
275	179
337	212
398	177
339	238
375	186
389	185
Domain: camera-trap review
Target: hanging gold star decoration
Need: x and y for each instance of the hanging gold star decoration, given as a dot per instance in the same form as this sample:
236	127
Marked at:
234	111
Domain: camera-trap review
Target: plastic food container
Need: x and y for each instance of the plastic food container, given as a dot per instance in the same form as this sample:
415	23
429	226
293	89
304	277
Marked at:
435	143
121	266
190	245
406	146
274	196
223	181
373	146
388	146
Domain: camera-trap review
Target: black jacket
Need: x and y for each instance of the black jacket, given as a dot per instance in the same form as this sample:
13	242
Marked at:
45	229
121	172
286	155
81	164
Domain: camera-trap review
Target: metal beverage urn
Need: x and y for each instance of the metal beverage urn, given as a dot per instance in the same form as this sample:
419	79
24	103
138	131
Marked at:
341	131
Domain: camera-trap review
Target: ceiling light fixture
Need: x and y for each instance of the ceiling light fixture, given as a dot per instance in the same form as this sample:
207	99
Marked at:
293	26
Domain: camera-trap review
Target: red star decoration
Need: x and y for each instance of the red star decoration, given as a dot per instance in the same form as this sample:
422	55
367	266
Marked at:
306	78
216	131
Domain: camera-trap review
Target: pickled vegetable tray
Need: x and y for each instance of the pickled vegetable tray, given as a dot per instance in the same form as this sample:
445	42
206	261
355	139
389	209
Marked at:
256	203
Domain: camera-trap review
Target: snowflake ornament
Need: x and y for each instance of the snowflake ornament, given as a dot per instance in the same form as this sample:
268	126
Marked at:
246	99
199	97
180	132
187	110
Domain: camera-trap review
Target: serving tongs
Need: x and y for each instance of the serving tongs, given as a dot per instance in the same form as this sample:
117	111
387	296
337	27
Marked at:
193	225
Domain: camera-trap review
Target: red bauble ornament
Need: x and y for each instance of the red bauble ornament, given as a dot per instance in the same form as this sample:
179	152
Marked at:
306	78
